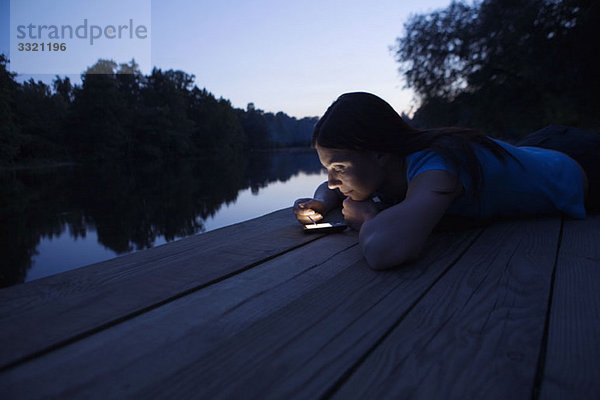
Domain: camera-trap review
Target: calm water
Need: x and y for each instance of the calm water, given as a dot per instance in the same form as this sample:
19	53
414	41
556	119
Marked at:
58	219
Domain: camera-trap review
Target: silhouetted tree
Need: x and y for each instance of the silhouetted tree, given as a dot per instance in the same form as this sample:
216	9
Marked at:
117	113
505	65
216	126
9	136
164	128
98	129
130	82
287	131
256	128
63	89
41	117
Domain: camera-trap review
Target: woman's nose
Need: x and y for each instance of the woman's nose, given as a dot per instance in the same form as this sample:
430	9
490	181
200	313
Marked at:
332	181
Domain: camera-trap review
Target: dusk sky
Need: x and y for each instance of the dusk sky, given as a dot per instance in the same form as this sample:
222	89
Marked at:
295	57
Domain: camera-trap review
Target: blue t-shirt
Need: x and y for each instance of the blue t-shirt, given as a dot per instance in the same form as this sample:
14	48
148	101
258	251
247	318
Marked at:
546	182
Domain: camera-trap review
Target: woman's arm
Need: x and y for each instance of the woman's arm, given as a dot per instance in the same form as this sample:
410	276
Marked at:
397	234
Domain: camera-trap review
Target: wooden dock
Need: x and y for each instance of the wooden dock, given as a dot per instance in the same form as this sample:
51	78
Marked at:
260	310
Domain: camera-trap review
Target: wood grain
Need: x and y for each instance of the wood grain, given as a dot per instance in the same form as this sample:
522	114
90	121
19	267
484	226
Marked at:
124	359
237	336
571	367
477	333
50	312
274	313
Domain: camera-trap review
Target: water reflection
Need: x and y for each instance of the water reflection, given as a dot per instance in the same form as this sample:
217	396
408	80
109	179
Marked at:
127	207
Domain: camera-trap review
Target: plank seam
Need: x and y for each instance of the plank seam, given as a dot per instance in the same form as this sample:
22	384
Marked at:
352	369
282	283
539	374
134	314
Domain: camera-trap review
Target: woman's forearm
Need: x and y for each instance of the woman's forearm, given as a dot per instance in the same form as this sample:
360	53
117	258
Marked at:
398	234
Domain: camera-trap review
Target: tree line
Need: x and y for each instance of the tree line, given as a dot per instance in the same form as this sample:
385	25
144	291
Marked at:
117	113
505	66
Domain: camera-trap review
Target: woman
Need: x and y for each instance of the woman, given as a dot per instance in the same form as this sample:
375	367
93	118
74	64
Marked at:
396	182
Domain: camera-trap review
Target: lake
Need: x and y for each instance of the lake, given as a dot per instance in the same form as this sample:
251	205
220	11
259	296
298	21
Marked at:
62	218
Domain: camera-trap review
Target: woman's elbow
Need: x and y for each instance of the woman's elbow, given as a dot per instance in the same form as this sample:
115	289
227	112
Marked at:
381	262
380	256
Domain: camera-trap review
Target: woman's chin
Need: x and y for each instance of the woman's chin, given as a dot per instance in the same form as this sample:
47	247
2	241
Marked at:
358	197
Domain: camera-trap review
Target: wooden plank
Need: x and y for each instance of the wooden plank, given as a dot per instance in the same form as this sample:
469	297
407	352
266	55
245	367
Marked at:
301	351
44	314
127	357
477	333
256	345
571	368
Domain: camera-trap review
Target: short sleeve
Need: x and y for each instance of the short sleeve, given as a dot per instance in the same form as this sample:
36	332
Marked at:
425	160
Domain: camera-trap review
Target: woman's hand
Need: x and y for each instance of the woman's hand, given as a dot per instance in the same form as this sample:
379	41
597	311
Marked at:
357	213
307	208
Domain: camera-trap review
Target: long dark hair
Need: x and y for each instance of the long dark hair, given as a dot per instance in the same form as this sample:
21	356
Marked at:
363	121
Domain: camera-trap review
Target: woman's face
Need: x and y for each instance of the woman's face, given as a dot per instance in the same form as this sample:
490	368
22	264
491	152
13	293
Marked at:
357	174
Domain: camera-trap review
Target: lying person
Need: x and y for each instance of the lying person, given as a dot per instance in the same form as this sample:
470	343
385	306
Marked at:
396	182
